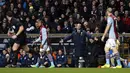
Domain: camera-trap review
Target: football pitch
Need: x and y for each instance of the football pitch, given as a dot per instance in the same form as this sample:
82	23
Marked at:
63	70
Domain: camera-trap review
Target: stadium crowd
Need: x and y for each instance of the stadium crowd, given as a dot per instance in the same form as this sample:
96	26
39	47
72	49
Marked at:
59	16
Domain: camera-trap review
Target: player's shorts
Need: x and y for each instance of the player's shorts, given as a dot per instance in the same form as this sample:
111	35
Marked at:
45	48
111	43
21	40
11	42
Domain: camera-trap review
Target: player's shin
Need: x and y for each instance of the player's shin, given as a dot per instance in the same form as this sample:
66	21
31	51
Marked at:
50	59
112	61
15	57
107	58
117	56
107	65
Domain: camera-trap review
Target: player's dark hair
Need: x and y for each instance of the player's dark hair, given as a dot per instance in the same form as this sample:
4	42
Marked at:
9	13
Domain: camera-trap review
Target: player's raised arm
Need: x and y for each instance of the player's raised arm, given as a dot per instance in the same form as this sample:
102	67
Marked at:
68	37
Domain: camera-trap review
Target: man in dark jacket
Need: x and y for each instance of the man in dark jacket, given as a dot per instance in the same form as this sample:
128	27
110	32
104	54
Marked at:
31	60
44	62
60	59
23	59
3	59
79	38
92	54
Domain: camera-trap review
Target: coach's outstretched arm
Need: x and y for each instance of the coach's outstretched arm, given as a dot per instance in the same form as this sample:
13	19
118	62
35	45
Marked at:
66	38
90	36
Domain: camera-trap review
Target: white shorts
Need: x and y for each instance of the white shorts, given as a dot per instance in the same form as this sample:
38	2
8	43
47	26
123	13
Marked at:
45	48
110	43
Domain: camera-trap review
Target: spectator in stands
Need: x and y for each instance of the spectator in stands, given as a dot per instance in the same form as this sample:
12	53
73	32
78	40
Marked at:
100	9
31	11
29	27
86	26
4	28
44	14
54	54
58	30
47	5
126	21
75	13
19	7
85	13
3	59
61	59
2	2
92	54
71	23
94	11
31	60
103	24
4	9
33	20
37	3
54	25
92	23
121	11
117	2
40	12
128	8
96	29
61	20
10	57
53	13
25	6
112	4
66	28
11	7
78	18
75	4
23	59
44	62
20	53
119	22
15	13
68	11
47	23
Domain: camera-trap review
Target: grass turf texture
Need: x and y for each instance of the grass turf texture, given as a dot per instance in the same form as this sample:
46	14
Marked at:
62	70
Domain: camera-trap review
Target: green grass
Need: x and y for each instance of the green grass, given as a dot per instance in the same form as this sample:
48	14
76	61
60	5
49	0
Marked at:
62	70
